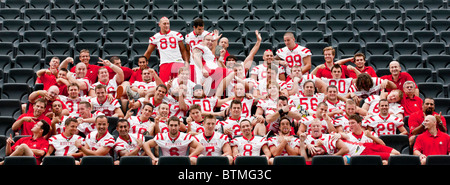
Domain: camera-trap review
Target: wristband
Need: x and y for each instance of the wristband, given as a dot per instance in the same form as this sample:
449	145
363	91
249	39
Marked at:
281	112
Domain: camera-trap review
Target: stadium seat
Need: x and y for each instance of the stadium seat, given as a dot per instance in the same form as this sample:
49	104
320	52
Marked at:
366	15
410	61
213	15
7	49
163	4
365	37
416	14
211	5
118	25
20	160
36	36
5	61
39	25
22	75
213	160
112	122
380	5
310	36
188	14
251	160
443	14
439	26
118	37
360	5
377	48
398	142
438	160
29	48
93	48
90	37
90	4
280	25
431	89
362	25
66	25
14	25
236	5
34	14
430	5
157	14
138	49
421	74
135	160
16	4
340	14
136	14
341	36
145	25
415	25
306	25
442	75
310	5
336	25
174	160
10	14
432	48
436	62
60	14
233	36
441	105
327	160
187	5
444	37
107	15
18	91
347	49
366	160
58	160
228	25
407	48
318	15
96	160
316	47
264	15
252	25
408	4
179	25
6	122
289	160
420	37
69	4
114	4
379	61
285	5
92	25
44	4
404	160
391	14
261	5
250	37
289	14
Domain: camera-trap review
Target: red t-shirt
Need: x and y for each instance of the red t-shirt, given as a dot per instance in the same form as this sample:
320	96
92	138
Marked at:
48	108
415	119
411	105
39	143
326	72
402	78
428	144
27	126
368	69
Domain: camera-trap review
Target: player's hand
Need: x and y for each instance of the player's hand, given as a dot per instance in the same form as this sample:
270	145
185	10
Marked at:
155	161
104	62
258	36
10	139
28	119
205	73
69	59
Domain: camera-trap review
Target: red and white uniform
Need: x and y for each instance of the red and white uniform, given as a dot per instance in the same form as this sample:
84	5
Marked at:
72	104
175	110
84	127
355	144
174	146
267	104
290	84
167	99
261	71
373	101
137	125
339	105
88	85
343	121
230	88
308	103
293	143
64	146
249	147
293	57
342	84
275	125
308	120
207	104
375	89
163	127
189	86
111	85
213	146
234	124
106	107
329	145
246	106
144	85
383	126
107	140
193	39
197	127
167	44
130	144
262	86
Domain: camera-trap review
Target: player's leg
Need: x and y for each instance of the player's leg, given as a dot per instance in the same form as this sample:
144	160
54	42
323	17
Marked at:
22	150
165	72
193	160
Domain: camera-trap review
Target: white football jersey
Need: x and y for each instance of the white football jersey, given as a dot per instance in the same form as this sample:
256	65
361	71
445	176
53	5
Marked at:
308	120
111	86
328	143
106	107
107	140
197	127
375	89
384	126
72	104
246	106
144	85
339	105
293	57
267	104
84	127
261	71
308	103
64	146
343	121
293	143
262	86
193	39
275	125
342	84
174	147
168	48
303	79
207	104
189	86
88	85
355	143
373	101
249	147
234	124
212	146
137	125
130	144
